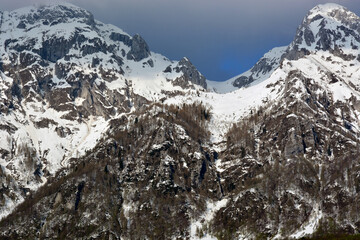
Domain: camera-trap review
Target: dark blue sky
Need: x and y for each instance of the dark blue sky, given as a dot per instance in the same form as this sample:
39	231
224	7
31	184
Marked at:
221	38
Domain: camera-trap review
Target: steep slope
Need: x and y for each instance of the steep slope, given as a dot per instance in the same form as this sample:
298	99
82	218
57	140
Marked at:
291	167
147	179
330	28
259	72
276	159
63	76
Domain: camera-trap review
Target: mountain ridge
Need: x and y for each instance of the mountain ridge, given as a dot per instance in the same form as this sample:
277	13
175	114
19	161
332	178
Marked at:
139	148
68	67
304	41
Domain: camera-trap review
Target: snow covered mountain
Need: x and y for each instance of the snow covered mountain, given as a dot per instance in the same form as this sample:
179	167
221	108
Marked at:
63	76
330	27
260	71
100	137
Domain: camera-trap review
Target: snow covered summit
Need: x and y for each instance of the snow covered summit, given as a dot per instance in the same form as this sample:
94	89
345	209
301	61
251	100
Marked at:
129	144
326	9
63	77
326	27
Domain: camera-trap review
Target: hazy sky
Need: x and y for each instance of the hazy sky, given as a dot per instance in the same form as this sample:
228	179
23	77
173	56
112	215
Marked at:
222	38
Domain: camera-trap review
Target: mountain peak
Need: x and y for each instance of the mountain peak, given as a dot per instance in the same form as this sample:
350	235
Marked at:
327	8
50	6
49	12
90	114
328	27
330	11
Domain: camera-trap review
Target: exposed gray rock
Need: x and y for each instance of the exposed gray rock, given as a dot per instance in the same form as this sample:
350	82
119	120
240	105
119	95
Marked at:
60	14
54	49
121	37
21	25
309	36
95	46
243	81
190	73
168	69
95	62
123	52
326	39
150	62
60	70
118	60
263	68
139	49
295	53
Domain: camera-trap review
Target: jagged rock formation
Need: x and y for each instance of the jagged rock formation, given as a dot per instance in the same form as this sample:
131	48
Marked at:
260	71
326	28
135	186
139	49
141	150
62	73
191	74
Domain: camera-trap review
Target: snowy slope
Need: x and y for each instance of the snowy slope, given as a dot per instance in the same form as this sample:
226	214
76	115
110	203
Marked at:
231	107
262	70
59	95
309	67
63	77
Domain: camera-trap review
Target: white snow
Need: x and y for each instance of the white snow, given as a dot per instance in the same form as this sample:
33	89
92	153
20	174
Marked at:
207	217
228	103
197	155
149	82
9	205
324	9
311	225
221	87
273	56
230	107
340	92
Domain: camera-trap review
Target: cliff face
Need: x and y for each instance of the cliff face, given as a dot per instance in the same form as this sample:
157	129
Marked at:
100	137
64	75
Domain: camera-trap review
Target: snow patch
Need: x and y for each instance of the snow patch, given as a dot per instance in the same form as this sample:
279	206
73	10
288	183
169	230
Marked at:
311	225
211	209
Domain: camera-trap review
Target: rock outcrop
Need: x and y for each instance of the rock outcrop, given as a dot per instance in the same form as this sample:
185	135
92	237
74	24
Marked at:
61	74
191	74
99	138
139	49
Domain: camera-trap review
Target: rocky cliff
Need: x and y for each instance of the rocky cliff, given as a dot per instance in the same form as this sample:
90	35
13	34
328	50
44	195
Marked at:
102	138
64	75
